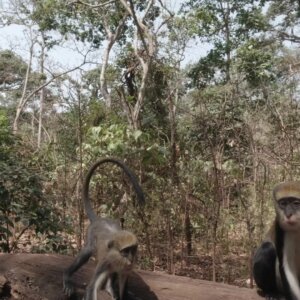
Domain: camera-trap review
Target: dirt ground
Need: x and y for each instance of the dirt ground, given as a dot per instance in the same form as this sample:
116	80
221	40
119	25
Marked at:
39	277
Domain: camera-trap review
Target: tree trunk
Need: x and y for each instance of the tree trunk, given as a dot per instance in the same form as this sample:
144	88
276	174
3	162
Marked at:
80	182
143	36
173	134
22	101
170	246
42	93
219	191
188	229
111	39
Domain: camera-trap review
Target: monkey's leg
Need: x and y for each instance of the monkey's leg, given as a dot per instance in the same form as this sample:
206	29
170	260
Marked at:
99	279
116	286
122	284
264	270
112	286
80	260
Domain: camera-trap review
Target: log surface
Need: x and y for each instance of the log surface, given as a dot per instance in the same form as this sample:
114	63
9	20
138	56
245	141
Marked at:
39	277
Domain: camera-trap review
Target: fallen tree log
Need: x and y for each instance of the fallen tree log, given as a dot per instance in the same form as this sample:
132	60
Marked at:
39	277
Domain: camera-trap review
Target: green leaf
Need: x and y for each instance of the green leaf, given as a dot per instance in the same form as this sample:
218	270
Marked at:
137	134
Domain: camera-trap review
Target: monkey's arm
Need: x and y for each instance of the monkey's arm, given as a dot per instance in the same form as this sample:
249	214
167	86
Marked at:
264	269
80	260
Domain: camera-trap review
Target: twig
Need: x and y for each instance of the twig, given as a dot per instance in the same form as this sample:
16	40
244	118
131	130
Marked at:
92	5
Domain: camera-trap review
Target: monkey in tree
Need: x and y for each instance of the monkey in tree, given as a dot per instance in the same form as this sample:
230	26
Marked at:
114	248
276	265
129	78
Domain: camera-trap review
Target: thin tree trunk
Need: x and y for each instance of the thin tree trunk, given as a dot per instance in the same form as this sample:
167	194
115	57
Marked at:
111	39
22	100
170	246
32	124
173	136
250	214
219	191
42	94
141	95
103	82
80	141
226	21
188	229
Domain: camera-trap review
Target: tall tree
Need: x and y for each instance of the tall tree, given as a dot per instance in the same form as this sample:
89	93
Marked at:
284	19
120	21
224	25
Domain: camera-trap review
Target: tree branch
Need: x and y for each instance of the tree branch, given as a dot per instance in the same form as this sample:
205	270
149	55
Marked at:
91	5
288	37
25	100
171	15
141	28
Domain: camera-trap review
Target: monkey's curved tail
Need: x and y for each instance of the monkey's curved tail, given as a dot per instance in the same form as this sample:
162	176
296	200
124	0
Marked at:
85	191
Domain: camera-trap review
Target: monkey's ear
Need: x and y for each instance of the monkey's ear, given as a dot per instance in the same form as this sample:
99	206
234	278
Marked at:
110	244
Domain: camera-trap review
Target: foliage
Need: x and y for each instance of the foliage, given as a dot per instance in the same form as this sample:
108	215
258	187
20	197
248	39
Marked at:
224	25
256	60
12	69
22	205
75	18
284	18
116	139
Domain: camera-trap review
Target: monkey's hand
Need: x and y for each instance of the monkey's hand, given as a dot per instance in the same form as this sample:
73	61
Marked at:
68	286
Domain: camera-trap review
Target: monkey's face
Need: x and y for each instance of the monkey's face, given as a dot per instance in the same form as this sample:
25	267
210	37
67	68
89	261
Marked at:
121	258
288	211
129	254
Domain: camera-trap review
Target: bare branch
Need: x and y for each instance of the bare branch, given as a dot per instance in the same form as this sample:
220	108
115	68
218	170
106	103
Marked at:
171	15
92	5
45	130
163	23
25	99
166	9
52	79
142	29
150	3
288	37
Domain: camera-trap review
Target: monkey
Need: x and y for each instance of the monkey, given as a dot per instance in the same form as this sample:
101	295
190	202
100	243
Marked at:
114	248
129	79
276	263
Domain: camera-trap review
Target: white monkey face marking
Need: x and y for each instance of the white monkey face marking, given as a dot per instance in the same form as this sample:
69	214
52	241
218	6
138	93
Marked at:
290	267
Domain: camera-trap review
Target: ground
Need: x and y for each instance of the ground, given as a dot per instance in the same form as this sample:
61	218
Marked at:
39	277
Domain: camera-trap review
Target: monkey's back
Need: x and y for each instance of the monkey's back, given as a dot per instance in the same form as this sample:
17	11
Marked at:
100	233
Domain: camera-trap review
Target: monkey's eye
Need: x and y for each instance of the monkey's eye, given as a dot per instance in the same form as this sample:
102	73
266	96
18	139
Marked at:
126	254
129	251
296	203
282	203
